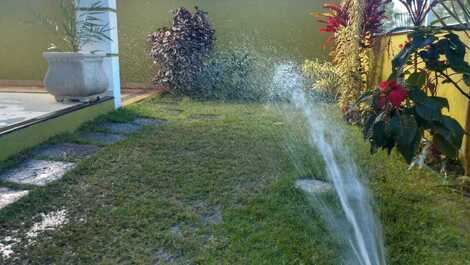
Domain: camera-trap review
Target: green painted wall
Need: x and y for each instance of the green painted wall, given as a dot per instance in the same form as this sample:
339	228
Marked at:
277	27
22	39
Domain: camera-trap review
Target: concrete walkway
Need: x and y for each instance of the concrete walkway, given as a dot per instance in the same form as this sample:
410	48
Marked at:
20	104
20	107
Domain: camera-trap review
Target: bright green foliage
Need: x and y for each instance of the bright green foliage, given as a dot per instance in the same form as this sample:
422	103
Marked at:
230	75
325	76
439	53
403	125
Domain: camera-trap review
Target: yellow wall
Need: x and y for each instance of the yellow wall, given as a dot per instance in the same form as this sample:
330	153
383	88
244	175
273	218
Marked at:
458	103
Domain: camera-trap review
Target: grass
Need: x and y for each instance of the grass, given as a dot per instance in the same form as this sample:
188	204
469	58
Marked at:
215	186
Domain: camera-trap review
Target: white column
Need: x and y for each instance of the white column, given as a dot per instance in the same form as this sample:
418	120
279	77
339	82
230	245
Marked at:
111	48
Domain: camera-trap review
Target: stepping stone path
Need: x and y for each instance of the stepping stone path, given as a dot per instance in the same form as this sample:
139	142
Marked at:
40	172
175	112
8	196
207	117
313	187
213	217
66	151
149	122
102	138
37	172
120	128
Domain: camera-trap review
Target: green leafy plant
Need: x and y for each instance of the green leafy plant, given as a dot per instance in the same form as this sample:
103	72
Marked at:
442	53
80	30
229	75
405	111
325	77
354	26
405	108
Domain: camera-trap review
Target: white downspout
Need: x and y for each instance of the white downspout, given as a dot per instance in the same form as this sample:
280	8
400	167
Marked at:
111	48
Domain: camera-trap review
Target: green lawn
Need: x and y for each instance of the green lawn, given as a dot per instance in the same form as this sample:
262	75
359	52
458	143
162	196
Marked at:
215	186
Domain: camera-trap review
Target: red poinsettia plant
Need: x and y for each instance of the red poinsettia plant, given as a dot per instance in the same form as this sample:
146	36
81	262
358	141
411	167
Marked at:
406	108
392	94
398	114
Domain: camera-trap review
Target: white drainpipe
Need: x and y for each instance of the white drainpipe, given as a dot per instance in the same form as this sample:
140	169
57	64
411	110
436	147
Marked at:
111	48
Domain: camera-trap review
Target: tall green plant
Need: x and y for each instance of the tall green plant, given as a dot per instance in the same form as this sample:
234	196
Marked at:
77	31
355	25
405	108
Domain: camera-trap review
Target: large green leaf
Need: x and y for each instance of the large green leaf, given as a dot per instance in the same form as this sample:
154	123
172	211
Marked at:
448	136
379	137
454	50
444	133
466	77
439	102
431	108
410	136
393	127
409	129
446	148
417	95
401	59
427	113
416	80
455	129
419	39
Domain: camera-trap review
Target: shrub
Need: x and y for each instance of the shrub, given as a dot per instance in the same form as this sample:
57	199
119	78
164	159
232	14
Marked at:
405	111
354	26
325	76
229	75
180	49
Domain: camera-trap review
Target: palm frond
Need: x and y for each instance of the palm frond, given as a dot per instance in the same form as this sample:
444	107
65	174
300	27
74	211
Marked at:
78	28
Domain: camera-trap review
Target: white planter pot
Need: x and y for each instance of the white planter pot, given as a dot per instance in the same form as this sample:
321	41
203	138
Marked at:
75	76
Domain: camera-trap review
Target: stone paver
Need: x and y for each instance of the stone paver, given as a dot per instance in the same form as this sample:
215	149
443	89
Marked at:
37	172
207	117
120	128
175	112
8	196
213	218
149	122
66	151
102	138
313	186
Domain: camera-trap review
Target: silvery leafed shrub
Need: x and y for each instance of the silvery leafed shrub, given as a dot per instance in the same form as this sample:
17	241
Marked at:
229	75
179	50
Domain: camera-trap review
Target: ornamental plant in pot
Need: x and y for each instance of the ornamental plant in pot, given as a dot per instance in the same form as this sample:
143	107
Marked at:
73	74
